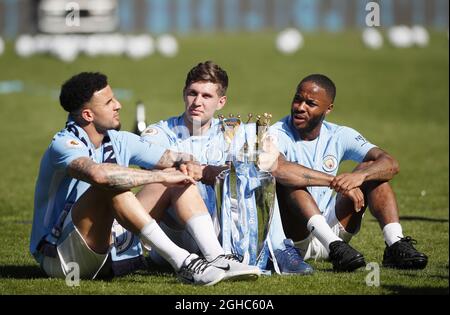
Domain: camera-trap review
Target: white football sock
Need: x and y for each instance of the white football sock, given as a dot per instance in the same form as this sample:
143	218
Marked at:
392	233
152	235
318	226
202	231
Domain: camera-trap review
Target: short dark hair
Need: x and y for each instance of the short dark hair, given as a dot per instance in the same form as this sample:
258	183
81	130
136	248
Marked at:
209	72
324	82
79	89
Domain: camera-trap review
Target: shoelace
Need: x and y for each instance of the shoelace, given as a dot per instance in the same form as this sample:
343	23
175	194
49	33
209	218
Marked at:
408	239
197	265
340	251
405	246
292	254
234	256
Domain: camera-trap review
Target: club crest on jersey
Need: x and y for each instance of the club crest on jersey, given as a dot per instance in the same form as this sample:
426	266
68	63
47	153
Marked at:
72	143
150	132
329	163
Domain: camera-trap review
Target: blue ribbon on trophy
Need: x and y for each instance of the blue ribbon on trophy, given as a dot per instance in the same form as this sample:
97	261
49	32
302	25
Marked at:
245	195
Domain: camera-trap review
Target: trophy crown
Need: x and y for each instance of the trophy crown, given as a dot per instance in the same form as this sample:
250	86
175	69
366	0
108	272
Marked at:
230	126
263	120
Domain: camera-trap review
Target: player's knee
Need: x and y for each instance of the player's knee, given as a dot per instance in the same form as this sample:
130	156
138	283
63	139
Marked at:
119	197
395	167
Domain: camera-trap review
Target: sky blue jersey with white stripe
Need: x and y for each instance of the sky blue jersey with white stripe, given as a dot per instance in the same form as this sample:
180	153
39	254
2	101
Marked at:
333	145
55	188
173	134
208	148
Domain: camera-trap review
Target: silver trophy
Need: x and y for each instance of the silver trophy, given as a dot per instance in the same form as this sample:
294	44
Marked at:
230	127
264	199
262	185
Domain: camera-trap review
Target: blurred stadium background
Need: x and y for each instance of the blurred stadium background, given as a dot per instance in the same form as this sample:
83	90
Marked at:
187	16
392	86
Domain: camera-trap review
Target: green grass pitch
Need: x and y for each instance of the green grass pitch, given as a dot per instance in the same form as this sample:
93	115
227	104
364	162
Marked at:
397	98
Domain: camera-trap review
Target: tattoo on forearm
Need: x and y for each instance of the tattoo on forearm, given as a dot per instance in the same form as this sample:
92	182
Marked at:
125	181
308	178
81	169
121	181
121	178
111	176
295	175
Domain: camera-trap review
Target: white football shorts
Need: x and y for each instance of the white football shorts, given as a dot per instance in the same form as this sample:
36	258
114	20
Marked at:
72	248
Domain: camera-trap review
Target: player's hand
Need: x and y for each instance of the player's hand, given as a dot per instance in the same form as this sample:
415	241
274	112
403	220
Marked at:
172	177
357	196
268	157
210	173
347	181
192	169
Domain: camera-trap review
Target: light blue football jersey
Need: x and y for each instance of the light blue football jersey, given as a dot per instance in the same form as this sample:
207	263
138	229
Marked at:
173	134
206	148
334	145
55	188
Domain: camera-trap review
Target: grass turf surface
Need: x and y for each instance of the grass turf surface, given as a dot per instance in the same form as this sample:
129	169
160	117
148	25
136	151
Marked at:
397	98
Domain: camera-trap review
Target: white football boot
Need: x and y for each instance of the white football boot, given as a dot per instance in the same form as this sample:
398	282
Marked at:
235	269
199	271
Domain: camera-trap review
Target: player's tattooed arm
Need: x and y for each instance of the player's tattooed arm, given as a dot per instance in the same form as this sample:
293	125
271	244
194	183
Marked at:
377	165
296	175
113	176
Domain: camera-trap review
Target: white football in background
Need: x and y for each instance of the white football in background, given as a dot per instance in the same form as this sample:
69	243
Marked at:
25	46
65	47
420	36
42	43
114	44
372	38
400	36
140	46
93	45
289	41
167	45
